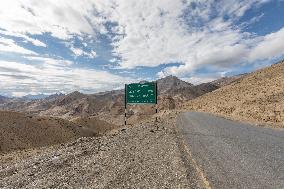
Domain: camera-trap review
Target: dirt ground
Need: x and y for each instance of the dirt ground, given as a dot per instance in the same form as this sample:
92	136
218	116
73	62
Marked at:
144	155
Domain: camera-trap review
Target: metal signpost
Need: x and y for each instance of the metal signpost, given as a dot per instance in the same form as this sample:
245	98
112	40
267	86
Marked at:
141	93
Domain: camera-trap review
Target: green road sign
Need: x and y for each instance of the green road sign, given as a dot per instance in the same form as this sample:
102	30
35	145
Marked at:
137	93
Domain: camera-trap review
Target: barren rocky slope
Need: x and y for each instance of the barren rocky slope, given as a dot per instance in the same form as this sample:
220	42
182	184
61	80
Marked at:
3	99
172	93
257	97
98	126
139	156
19	131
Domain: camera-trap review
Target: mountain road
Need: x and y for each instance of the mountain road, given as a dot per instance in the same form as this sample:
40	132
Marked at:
230	154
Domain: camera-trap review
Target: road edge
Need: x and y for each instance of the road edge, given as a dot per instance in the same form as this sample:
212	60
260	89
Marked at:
188	160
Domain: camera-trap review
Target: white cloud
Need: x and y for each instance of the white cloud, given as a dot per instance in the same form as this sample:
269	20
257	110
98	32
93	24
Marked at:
35	42
163	32
18	94
92	54
61	18
51	61
147	33
113	60
79	52
198	80
21	79
269	46
9	45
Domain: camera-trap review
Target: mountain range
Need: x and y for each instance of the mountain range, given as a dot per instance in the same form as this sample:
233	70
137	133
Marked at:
108	105
25	123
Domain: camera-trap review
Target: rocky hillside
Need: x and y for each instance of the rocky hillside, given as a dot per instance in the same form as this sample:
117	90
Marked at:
257	97
95	125
134	157
3	99
170	84
21	131
173	92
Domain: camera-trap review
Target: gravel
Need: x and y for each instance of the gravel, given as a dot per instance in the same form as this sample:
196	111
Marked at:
137	156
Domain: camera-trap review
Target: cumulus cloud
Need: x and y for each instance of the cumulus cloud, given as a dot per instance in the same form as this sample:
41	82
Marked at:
201	79
26	38
77	51
60	18
80	52
51	61
53	76
36	42
268	46
146	33
9	45
193	33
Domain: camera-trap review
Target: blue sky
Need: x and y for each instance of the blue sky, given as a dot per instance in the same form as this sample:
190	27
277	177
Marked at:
51	46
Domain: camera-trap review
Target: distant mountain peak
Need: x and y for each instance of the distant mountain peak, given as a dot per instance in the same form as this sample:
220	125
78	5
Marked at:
3	97
40	96
169	83
143	81
171	77
34	97
75	93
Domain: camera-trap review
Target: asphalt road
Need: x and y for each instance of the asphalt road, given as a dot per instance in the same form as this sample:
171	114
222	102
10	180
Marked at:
232	154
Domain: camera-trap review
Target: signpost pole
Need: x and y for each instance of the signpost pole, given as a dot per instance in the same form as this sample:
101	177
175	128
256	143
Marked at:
156	99
125	103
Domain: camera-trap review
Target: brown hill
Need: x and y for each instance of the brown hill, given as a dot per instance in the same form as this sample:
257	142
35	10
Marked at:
257	97
20	131
3	99
170	84
109	105
98	126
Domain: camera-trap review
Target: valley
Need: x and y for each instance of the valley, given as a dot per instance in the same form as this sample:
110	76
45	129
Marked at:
46	141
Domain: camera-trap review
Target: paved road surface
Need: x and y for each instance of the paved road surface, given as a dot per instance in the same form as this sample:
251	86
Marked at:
232	154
